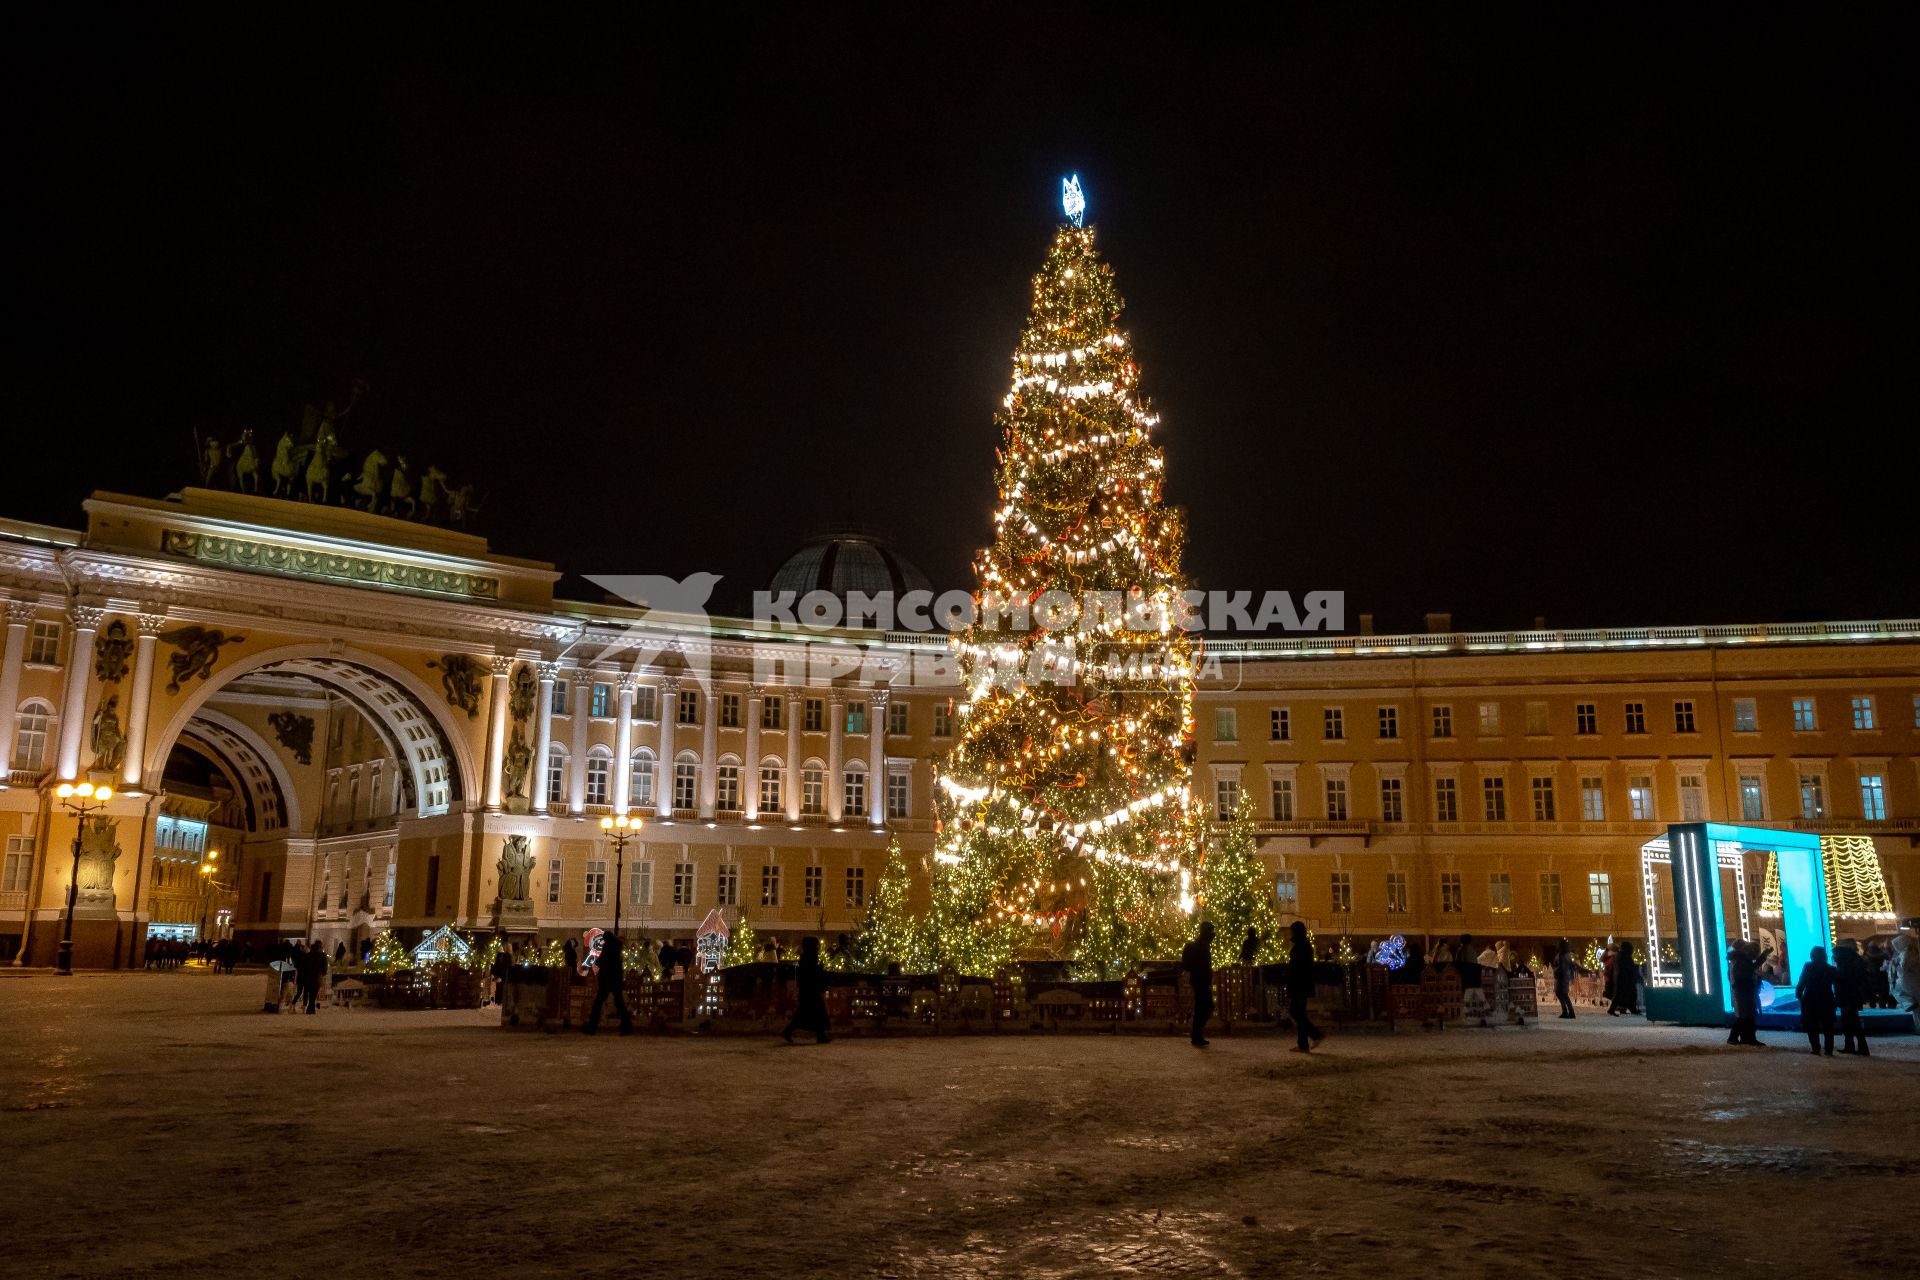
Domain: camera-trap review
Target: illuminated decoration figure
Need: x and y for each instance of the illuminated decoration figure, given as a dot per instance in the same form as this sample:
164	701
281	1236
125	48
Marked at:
1073	200
1392	953
591	943
1066	823
1856	887
441	946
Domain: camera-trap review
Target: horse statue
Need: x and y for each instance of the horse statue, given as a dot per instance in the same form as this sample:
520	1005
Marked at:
246	467
400	491
432	486
320	456
460	504
368	486
212	456
283	466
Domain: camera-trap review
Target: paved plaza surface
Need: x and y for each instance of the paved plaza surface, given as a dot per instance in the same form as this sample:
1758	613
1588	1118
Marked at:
159	1125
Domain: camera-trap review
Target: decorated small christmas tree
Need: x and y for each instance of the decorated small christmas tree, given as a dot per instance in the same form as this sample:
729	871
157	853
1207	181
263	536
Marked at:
1066	826
1856	887
1233	893
743	945
388	955
890	934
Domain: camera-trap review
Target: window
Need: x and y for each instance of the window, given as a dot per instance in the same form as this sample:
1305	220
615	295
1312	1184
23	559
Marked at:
816	717
1337	799
553	880
1493	798
1280	724
640	780
1753	798
640	886
688	711
1286	891
899	791
1640	798
1693	799
19	864
1636	717
1500	893
1537	719
1392	801
728	885
1550	893
1804	719
1443	722
1389	722
1334	724
1341	885
43	646
1873	797
1863	713
30	736
856	887
897	718
1746	719
943	718
1600	893
558	705
1397	893
596	883
856	717
1282	799
1813	796
813	790
556	776
1446	800
1543	808
810	887
686	783
387	897
1593	799
599	768
599	705
646	703
1226	798
773	712
1451	899
1226	724
726	788
683	884
1683	715
1489	719
770	800
770	885
855	793
729	711
1586	718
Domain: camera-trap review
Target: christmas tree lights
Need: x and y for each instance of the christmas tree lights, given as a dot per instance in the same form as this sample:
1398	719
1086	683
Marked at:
1066	820
1856	888
1234	894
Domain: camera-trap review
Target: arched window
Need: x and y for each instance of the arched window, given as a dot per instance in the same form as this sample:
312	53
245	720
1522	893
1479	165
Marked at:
686	781
813	788
556	775
770	788
856	791
30	738
640	779
726	789
599	770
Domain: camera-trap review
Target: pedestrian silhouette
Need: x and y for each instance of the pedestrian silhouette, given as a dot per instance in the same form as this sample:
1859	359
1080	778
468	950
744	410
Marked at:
1197	960
610	976
1300	990
1626	982
810	1012
1250	946
1852	984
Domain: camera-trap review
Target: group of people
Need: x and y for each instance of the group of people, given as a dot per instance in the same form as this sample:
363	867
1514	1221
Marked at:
302	966
171	953
1842	985
1197	961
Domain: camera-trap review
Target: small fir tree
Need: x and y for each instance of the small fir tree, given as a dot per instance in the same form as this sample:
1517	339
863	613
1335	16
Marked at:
743	945
1233	893
890	934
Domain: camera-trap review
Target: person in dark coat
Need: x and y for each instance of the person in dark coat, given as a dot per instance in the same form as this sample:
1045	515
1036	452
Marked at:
1743	980
1563	970
667	954
1467	960
1197	959
570	960
810	1010
311	972
1815	990
1626	982
1250	946
1300	989
610	977
502	966
1852	985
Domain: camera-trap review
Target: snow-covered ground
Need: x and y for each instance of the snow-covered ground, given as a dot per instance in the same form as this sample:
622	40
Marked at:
159	1125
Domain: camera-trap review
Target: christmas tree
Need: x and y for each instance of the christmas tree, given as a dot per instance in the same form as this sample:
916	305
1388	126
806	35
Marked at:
1066	823
1856	889
890	934
388	955
743	945
1233	893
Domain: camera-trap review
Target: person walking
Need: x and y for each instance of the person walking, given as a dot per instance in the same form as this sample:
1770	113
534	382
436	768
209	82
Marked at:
1300	990
1626	982
1563	970
311	965
1197	959
1250	947
810	1009
1815	990
1743	980
610	978
1852	985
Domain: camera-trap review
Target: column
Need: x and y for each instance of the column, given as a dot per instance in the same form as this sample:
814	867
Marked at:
836	726
877	757
796	708
751	769
73	715
623	749
133	772
19	617
497	734
709	750
577	768
543	735
663	780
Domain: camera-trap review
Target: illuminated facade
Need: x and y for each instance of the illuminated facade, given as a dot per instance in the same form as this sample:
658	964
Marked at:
386	725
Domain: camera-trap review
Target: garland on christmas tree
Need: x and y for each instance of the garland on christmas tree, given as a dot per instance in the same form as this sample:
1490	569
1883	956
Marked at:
1856	887
1234	894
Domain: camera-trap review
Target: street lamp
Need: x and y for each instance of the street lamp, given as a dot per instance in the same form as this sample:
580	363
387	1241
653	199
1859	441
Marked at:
620	830
80	800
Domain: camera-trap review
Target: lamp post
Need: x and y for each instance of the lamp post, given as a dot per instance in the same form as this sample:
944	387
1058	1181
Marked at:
80	800
209	888
620	830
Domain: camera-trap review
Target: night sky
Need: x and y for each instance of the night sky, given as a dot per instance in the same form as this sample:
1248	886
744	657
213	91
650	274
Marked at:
1503	316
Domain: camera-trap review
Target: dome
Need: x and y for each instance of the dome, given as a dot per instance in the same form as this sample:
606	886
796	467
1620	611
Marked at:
847	560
